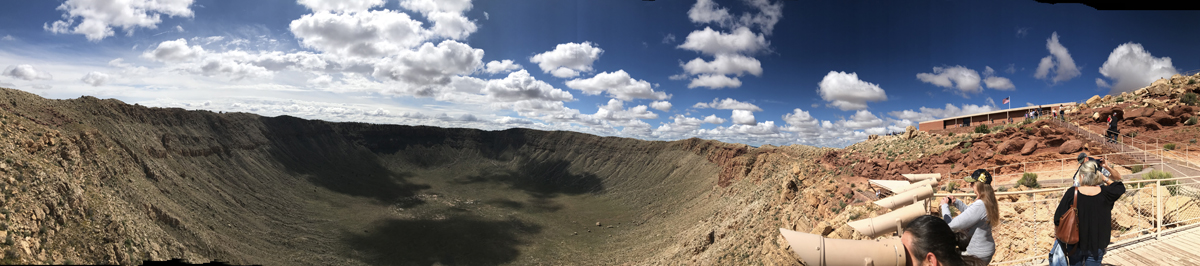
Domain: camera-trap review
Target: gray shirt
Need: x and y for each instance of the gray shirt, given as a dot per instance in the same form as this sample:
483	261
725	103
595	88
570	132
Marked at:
974	221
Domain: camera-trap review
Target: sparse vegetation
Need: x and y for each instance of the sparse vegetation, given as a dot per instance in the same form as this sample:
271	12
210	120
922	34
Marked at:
1029	180
951	186
1120	99
1026	121
1193	141
982	129
1189	98
951	134
1137	168
967	145
1132	134
1191	121
1191	81
1156	174
1002	189
1169	146
965	151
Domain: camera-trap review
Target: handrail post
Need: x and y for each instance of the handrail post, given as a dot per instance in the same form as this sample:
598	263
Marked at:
1158	208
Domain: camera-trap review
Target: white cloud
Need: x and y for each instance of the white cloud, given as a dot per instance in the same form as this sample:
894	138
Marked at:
429	64
743	117
1131	67
926	114
26	72
724	64
446	16
707	11
618	85
95	78
998	83
496	67
98	17
1059	60
714	82
519	85
713	119
1101	83
711	42
801	121
340	5
670	38
360	34
174	51
661	105
8	38
965	80
568	59
728	104
862	119
846	92
615	111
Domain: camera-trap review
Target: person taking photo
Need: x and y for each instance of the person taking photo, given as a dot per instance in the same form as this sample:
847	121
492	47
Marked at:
976	219
1094	212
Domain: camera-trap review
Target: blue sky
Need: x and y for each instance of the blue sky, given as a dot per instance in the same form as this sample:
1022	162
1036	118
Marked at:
820	73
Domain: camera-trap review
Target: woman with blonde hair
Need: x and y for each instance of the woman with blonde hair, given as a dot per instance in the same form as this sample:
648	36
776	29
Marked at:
1096	195
977	219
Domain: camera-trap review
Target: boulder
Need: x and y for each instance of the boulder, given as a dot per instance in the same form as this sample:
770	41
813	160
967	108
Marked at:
872	137
1154	103
1070	146
1140	112
1029	148
1106	98
1092	101
1184	111
1054	141
1165	120
1009	146
822	229
1146	123
909	132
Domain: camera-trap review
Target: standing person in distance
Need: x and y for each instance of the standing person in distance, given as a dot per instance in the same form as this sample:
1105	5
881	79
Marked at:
1094	211
977	219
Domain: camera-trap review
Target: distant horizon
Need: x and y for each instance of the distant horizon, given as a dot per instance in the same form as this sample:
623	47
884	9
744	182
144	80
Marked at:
756	72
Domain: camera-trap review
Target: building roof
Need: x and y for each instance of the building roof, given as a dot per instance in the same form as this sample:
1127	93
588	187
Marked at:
1004	111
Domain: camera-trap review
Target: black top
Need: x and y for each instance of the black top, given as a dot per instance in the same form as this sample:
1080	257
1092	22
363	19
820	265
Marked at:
1094	214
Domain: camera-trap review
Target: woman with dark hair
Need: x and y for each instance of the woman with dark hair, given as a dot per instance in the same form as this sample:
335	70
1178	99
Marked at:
1096	196
977	219
929	241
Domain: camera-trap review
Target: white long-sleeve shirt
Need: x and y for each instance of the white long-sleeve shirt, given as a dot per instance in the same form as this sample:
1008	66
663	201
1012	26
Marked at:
974	221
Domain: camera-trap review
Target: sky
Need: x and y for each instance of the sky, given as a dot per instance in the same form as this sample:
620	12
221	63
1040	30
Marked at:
818	73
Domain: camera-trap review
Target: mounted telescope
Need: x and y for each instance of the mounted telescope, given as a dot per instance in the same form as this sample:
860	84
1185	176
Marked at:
816	250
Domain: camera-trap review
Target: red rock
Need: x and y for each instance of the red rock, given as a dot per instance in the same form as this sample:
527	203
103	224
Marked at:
1009	146
1029	148
1071	146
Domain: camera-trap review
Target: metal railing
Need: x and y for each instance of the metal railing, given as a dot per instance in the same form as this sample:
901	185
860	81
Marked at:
1147	210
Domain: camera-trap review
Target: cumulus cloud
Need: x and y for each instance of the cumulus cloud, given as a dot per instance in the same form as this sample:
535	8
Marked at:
801	121
713	119
618	85
1131	67
446	16
519	85
359	34
26	72
724	64
496	67
994	82
568	59
846	92
174	51
728	104
965	80
862	119
340	5
926	114
661	105
743	117
707	11
615	111
1101	83
670	38
714	82
8	38
98	17
711	42
1059	60
429	64
95	79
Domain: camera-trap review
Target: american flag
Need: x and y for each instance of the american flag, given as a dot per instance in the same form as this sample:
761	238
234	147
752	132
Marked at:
1005	101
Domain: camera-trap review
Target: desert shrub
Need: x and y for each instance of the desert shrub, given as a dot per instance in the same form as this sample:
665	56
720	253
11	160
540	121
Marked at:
1026	121
1132	134
1169	146
951	186
941	141
1191	121
967	145
1156	174
1191	81
1189	98
1137	168
1002	189
1193	141
965	151
854	216
982	129
1029	180
1120	99
951	134
997	128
